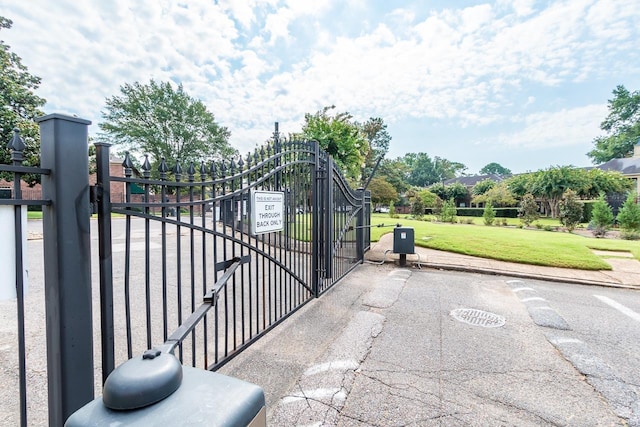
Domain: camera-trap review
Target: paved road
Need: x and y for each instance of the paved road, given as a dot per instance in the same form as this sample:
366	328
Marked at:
384	348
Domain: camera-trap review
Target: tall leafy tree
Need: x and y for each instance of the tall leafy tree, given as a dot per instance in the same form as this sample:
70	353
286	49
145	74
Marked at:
622	127
161	121
19	105
382	192
395	172
339	136
375	130
550	184
495	169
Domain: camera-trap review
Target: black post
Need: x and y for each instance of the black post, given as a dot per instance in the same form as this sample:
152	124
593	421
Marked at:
328	219
67	263
315	220
360	226
103	183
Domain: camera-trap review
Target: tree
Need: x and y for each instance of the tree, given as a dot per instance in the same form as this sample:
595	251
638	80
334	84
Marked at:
164	122
570	209
395	172
428	198
339	136
629	217
421	169
499	195
19	106
489	214
417	207
601	217
528	210
622	126
548	185
495	169
382	192
483	186
375	131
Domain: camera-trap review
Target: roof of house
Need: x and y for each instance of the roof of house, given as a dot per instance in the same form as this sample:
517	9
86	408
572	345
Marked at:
626	166
470	181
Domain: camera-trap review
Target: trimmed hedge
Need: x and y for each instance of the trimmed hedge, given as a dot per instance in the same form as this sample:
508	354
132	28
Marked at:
478	212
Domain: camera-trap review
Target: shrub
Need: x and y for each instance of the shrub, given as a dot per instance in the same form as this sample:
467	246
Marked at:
392	211
417	207
570	209
601	217
547	227
489	214
504	222
448	213
539	225
630	235
528	210
629	215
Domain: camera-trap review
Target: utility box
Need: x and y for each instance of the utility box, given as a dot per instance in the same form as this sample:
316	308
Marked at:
155	389
403	240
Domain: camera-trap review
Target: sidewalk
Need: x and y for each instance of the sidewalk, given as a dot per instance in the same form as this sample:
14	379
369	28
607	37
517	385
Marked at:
625	273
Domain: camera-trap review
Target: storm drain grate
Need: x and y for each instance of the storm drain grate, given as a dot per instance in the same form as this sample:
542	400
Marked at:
478	317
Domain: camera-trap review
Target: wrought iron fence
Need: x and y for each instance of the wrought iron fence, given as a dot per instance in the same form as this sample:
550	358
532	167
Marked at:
163	246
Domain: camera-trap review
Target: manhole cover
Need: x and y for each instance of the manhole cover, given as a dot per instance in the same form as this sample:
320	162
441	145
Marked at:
478	317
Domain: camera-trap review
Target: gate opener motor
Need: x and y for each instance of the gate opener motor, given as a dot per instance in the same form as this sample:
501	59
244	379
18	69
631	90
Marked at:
403	243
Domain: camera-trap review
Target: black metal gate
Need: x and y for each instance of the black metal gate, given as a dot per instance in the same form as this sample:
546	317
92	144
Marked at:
162	249
181	265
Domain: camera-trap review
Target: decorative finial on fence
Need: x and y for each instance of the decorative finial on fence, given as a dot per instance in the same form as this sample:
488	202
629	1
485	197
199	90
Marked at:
16	145
127	164
163	169
177	171
203	171
191	171
146	167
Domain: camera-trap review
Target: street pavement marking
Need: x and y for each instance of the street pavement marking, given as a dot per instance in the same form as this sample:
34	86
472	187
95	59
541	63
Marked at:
621	308
561	340
341	365
523	289
514	281
533	299
544	307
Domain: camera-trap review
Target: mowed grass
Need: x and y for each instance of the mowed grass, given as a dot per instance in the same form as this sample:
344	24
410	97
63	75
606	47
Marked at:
536	247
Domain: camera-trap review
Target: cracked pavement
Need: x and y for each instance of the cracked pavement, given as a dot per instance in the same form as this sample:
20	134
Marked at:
381	349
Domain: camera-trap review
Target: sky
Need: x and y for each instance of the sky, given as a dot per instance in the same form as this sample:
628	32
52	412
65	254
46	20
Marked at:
523	83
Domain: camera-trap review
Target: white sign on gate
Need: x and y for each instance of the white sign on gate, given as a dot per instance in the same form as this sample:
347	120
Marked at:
267	211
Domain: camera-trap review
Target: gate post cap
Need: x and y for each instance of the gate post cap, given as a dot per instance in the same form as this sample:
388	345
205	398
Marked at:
142	381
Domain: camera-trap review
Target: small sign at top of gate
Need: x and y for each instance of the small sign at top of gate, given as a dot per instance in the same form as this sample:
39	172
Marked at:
267	211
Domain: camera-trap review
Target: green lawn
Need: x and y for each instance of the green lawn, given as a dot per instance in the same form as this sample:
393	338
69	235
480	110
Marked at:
537	247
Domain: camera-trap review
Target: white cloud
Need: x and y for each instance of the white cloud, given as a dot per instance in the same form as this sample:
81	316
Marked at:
567	127
472	66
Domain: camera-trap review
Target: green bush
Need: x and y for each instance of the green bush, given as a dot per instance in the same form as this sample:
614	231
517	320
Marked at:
629	215
547	227
570	210
630	235
448	213
479	212
528	210
601	217
489	214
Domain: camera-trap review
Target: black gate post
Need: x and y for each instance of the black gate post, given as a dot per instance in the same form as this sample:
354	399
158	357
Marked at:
360	226
67	264
103	186
315	220
328	206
